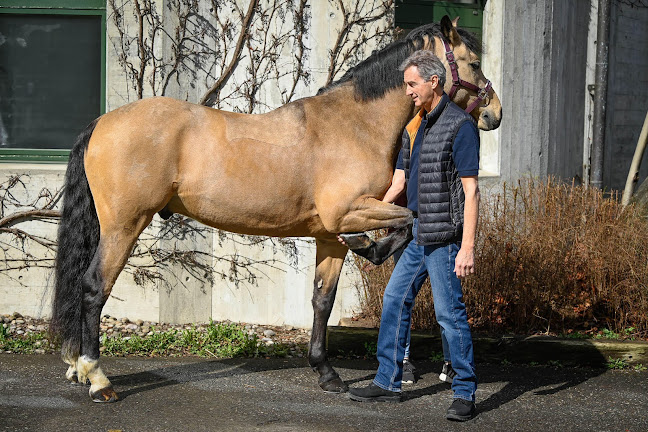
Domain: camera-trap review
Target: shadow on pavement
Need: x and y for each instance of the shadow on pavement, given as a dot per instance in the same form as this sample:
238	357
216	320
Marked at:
545	380
140	382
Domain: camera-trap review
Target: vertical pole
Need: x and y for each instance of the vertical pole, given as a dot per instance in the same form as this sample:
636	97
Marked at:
600	92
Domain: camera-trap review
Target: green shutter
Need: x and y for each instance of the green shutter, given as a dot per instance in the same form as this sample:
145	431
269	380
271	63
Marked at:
413	13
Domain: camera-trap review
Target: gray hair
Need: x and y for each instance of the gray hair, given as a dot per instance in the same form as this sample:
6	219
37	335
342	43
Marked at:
427	64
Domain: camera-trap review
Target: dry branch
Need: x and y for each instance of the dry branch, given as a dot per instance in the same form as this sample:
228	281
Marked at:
212	95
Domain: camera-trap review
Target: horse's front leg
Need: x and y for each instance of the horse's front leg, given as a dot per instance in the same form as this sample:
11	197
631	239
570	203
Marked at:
377	252
330	258
369	214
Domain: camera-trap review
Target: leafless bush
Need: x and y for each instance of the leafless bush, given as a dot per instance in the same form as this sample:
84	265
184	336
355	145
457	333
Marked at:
551	258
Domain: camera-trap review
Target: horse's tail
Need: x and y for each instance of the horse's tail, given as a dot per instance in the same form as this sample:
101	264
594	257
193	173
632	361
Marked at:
78	238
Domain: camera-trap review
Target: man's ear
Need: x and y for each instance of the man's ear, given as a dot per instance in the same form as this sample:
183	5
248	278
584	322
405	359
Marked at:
434	79
449	31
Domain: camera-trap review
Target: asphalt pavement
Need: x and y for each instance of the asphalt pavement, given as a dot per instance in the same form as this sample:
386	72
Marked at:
190	394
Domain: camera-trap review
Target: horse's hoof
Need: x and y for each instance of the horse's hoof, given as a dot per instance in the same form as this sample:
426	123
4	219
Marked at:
104	395
336	385
356	240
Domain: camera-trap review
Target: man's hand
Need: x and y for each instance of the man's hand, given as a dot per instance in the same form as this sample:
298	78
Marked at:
465	262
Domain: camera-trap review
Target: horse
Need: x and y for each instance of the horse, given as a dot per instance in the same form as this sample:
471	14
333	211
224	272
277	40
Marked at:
314	167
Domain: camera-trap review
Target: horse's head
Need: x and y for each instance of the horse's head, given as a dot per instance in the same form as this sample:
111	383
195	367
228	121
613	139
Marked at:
465	82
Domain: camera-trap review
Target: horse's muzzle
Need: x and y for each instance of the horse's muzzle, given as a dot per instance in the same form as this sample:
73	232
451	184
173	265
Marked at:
489	120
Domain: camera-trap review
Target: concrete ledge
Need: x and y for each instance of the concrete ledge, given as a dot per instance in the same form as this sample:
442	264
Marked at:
516	349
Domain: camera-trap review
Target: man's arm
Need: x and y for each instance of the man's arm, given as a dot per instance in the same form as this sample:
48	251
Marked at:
465	261
397	187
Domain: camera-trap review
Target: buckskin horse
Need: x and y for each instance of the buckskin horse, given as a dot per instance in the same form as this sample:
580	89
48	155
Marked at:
315	167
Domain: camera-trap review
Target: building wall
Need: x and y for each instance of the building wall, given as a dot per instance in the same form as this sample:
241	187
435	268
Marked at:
540	49
539	55
627	92
280	292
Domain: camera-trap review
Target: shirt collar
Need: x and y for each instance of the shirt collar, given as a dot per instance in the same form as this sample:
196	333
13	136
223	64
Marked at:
433	115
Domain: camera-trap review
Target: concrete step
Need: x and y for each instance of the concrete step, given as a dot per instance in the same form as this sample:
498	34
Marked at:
516	349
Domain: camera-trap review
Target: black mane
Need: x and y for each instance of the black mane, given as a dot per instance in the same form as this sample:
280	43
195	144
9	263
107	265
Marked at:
379	73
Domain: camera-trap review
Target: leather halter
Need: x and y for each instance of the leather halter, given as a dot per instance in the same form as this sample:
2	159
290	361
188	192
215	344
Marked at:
457	82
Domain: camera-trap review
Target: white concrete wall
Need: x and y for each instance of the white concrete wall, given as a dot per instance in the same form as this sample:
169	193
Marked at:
281	294
30	290
492	65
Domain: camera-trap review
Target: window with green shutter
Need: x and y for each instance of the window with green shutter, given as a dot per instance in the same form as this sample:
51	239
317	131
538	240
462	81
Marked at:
413	13
52	75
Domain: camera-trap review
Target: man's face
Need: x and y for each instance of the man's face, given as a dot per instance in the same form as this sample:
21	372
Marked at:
421	91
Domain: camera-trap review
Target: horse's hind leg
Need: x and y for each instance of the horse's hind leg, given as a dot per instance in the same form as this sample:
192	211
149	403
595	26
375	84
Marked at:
330	258
115	246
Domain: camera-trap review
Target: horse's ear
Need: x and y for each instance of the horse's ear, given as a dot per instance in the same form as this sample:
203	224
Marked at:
449	30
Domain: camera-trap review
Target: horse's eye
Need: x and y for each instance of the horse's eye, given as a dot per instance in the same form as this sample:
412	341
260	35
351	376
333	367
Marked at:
475	65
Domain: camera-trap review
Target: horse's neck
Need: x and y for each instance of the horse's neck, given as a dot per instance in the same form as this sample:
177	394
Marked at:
391	114
385	117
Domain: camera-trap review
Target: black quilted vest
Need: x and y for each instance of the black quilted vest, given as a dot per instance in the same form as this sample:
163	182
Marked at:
440	195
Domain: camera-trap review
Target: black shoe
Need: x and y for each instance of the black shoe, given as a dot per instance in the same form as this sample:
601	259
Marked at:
409	373
461	410
447	373
373	393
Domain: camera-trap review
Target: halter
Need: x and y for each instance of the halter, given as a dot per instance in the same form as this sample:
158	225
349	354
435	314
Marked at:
458	82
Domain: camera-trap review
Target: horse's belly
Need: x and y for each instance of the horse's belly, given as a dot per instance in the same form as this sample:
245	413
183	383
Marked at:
242	215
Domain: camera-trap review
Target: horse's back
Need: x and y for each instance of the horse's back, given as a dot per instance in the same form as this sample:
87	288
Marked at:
234	171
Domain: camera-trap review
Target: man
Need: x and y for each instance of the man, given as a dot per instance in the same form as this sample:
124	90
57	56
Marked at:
439	163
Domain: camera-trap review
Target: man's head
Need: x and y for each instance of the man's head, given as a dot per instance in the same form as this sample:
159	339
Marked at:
425	76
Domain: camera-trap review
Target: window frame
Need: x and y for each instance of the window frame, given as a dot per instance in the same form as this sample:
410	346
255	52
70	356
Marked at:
57	7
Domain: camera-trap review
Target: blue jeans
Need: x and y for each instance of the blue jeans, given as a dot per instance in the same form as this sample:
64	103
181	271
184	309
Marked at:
444	342
404	284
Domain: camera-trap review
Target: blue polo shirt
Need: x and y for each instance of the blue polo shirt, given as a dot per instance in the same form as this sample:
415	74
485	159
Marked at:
465	154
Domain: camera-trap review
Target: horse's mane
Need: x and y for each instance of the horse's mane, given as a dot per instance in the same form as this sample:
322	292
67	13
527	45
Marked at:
379	72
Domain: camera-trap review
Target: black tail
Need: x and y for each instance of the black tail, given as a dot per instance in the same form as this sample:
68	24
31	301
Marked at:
78	237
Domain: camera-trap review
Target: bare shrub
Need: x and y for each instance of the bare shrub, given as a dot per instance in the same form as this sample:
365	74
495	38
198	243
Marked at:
551	257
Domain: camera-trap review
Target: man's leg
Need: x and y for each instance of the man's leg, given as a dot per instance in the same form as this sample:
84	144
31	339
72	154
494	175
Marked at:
409	370
451	315
404	284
